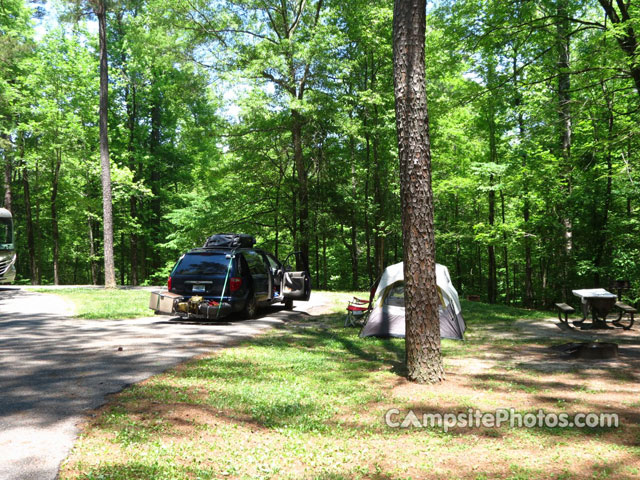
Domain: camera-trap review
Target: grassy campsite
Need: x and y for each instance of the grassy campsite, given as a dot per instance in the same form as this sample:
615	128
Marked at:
318	239
308	400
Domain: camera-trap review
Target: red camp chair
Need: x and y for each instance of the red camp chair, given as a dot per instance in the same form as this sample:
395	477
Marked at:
358	309
357	312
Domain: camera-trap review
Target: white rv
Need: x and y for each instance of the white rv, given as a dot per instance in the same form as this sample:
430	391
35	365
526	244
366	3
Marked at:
7	248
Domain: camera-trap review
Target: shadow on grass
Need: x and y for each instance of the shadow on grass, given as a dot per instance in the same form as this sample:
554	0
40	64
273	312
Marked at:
374	471
317	377
146	471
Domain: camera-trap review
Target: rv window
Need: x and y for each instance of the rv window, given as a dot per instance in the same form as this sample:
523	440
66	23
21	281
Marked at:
5	232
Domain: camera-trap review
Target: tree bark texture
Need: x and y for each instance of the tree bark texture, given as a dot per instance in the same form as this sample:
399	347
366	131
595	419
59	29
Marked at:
107	203
424	360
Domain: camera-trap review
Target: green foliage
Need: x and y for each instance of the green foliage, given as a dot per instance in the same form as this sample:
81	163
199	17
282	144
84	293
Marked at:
208	100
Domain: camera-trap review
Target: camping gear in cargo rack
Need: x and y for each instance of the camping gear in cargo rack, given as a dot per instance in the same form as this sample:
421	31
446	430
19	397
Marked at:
230	240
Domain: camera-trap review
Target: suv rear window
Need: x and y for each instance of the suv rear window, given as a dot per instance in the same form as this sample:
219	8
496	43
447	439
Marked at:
203	264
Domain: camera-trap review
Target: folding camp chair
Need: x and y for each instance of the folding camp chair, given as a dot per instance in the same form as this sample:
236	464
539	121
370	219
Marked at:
358	309
357	312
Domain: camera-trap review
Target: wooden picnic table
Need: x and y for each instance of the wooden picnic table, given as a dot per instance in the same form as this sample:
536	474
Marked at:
600	302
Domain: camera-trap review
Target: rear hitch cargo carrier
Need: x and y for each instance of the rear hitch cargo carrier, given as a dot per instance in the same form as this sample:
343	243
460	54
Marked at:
168	303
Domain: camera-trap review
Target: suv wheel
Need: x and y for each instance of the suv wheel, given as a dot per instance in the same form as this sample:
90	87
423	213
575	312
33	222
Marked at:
251	307
288	304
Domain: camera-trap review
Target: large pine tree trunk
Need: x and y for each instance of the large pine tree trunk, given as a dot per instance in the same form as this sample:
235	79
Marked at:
424	361
107	203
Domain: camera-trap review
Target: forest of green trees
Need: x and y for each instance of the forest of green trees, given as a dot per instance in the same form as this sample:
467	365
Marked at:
276	118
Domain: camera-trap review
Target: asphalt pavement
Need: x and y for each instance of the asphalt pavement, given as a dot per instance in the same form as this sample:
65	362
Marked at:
55	369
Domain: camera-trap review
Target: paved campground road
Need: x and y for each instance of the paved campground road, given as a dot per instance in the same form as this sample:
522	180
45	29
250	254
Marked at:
53	369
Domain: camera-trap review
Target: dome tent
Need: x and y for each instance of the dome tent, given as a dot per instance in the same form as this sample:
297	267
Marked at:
387	317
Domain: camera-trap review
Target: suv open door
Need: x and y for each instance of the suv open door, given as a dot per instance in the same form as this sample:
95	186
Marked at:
296	285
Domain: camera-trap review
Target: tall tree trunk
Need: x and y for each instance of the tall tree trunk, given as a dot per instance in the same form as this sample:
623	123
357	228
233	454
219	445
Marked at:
28	214
133	243
316	217
325	268
505	253
123	255
367	223
132	112
422	342
456	211
603	219
294	208
107	203
92	253
379	209
354	223
377	184
55	235
492	284
156	177
526	207
564	113
8	170
303	184
276	217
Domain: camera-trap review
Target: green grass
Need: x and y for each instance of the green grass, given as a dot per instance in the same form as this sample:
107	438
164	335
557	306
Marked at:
307	401
339	300
99	303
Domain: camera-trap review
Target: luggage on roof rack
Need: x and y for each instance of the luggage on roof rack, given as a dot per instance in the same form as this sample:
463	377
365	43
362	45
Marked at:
230	240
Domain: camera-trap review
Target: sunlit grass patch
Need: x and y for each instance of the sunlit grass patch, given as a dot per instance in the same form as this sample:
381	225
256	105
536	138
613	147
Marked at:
101	303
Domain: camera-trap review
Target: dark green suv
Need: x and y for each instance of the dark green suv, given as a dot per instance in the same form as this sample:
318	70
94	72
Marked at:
217	281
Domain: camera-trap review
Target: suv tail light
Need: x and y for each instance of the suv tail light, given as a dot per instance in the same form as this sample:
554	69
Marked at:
169	284
235	283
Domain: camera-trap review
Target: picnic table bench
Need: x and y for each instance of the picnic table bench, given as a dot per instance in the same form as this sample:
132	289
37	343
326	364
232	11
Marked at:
627	310
600	302
565	309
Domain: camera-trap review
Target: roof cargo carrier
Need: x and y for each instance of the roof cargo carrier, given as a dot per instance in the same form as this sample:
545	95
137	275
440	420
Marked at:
230	240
